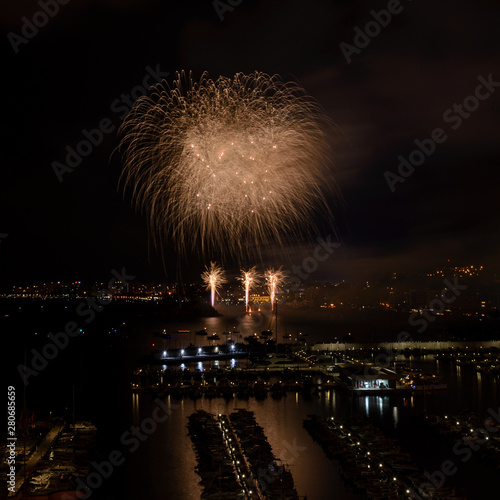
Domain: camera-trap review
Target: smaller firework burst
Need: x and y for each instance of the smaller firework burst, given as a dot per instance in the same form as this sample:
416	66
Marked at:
213	277
274	280
249	279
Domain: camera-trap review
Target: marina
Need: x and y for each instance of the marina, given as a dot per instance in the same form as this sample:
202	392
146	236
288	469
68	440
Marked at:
216	466
409	447
273	477
282	386
235	459
395	411
56	460
372	463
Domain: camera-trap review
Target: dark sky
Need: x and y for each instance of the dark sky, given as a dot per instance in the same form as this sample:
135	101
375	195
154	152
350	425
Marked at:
398	88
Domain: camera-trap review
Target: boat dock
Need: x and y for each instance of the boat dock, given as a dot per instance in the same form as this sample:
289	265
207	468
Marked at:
216	466
274	478
371	463
36	456
235	461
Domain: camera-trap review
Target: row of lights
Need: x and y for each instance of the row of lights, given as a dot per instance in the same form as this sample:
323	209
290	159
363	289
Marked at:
200	350
232	449
368	453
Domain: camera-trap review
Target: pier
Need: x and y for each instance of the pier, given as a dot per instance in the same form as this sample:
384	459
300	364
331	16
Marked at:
372	463
36	456
431	347
235	459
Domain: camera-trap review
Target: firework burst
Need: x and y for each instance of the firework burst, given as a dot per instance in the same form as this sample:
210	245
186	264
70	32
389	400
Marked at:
229	165
274	280
249	279
213	278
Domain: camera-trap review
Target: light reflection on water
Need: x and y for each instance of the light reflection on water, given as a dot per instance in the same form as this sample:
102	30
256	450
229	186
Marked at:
168	461
479	385
395	415
314	474
135	409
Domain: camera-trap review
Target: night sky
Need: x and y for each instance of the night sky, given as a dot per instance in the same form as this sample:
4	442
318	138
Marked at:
398	88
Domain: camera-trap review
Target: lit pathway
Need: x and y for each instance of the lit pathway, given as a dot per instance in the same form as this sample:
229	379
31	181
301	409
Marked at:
36	457
240	462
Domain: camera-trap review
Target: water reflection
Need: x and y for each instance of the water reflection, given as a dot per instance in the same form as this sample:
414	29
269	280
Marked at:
282	420
135	408
372	406
395	416
315	475
479	383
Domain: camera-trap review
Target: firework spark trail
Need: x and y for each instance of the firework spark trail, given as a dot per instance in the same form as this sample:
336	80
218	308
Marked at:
228	165
250	279
213	278
274	279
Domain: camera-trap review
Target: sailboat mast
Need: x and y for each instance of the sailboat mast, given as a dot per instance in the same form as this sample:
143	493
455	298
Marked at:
24	419
276	312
